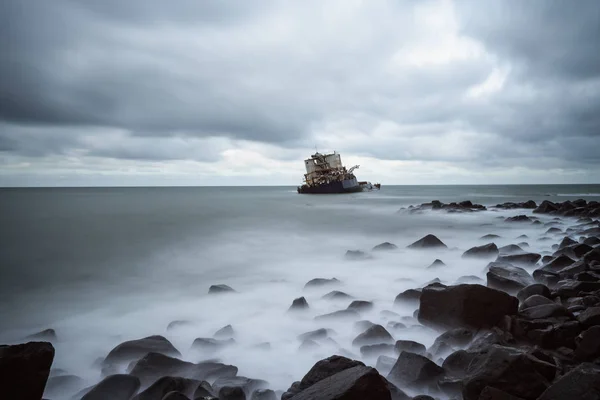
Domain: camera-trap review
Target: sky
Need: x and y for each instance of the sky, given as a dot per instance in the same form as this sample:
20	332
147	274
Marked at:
239	92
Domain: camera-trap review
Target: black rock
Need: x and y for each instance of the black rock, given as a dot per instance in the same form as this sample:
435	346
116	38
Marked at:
583	382
572	288
589	317
215	289
427	242
204	389
180	396
536	288
47	335
410	296
484	339
518	218
385	246
374	335
436	264
558	263
520	259
410	346
567	241
490	393
264	394
553	230
167	384
545	207
299	304
592	255
485	251
114	387
318	282
341	314
314	335
588	346
232	393
248	385
360	305
24	370
453	339
592	241
534	301
470	306
363	325
508	278
411	369
337	295
135	349
224	333
545	311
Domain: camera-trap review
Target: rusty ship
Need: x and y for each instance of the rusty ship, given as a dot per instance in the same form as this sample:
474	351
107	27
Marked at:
325	174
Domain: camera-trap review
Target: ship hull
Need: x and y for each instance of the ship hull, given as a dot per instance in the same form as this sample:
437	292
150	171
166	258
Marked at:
345	186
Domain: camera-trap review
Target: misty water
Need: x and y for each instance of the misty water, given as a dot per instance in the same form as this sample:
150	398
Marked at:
105	265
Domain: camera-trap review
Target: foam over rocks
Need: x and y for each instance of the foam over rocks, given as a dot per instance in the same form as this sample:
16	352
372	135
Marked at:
490	321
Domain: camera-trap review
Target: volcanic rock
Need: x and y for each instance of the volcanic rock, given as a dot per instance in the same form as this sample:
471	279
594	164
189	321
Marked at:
24	370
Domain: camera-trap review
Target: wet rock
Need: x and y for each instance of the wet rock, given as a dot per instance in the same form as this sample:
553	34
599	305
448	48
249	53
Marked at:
375	350
572	288
154	366
590	317
428	242
550	333
470	306
510	249
24	369
360	305
181	396
385	246
318	282
573	269
520	259
211	345
225	332
567	241
357	255
545	207
536	288
485	251
592	241
114	387
167	384
409	346
436	264
558	263
518	218
508	278
588	346
545	311
318	334
534	301
547	278
384	364
592	255
374	335
248	385
510	205
583	382
412	369
216	289
337	295
204	389
451	340
232	393
410	296
490	393
340	315
484	339
264	394
299	304
553	230
134	349
47	335
489	236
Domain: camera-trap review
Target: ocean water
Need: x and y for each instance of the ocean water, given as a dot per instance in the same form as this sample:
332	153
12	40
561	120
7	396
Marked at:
105	265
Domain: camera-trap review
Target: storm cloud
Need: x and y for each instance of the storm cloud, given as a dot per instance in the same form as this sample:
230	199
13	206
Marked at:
493	91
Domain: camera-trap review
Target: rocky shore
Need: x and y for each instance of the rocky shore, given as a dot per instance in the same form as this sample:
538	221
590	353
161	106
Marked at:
530	329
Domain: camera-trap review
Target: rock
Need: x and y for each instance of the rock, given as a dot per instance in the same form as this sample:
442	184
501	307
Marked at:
318	282
224	333
534	301
436	264
204	389
360	305
545	207
469	279
489	236
154	366
384	364
428	242
354	383
588	346
572	288
470	306
558	263
545	311
567	241
299	304
573	269
247	385
177	324
484	339
536	288
24	370
385	246
375	350
583	382
314	335
410	296
485	251
508	278
553	230
374	335
510	249
363	325
410	346
114	387
211	345
592	241
522	258
337	295
308	345
341	314
393	325
231	393
357	255
452	339
165	385
589	317
216	289
181	396
63	386
490	393
134	349
389	314
592	255
411	369
264	394
518	218
47	335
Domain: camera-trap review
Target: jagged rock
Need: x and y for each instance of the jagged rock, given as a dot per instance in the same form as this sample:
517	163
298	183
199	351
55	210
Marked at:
572	288
357	255
588	346
314	335
47	335
211	345
590	317
114	387
536	288
374	335
546	277
63	386
318	282
24	370
508	278
360	305
567	241
510	249
134	349
534	301
522	258
216	289
374	350
385	246
410	346
264	394
410	296
549	333
299	304
428	242
232	393
167	384
470	306
485	251
341	314
436	264
384	364
518	218
337	295
411	369
583	382
225	332
484	339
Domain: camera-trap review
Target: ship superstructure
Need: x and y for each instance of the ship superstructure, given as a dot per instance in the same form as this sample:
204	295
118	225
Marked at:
325	173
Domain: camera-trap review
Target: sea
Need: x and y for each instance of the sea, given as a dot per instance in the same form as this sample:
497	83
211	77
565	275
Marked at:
104	265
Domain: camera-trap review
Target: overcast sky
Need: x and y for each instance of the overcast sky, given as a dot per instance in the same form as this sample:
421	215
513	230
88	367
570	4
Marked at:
209	92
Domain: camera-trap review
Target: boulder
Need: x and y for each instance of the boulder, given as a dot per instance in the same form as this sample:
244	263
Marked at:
337	295
135	349
204	389
363	325
114	387
567	241
490	393
546	207
588	346
360	305
167	384
385	246
428	242
299	304
592	255
248	385
469	306
410	296
553	230
409	346
536	288
264	394
436	264
518	218
510	249
508	278
210	344
318	282
589	317
486	251
582	382
534	301
375	350
413	369
451	340
24	370
484	339
181	396
545	311
572	288
558	263
47	335
314	335
489	236
216	289
232	393
224	333
520	259
340	315
308	345
376	334
592	241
